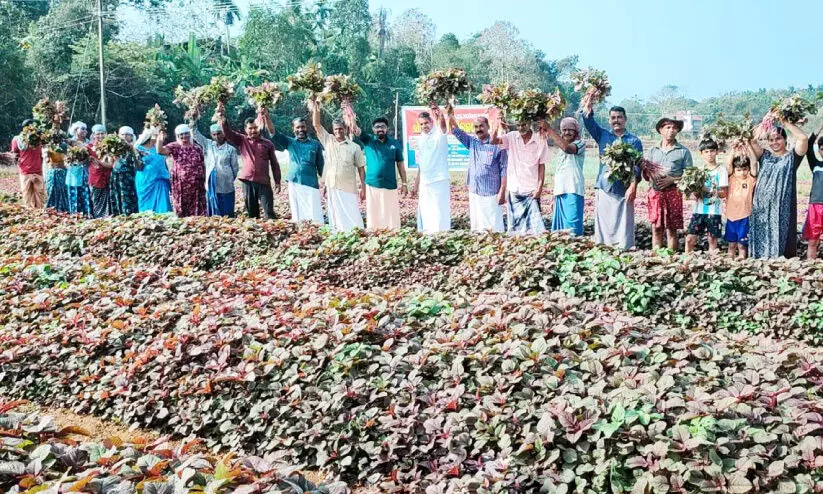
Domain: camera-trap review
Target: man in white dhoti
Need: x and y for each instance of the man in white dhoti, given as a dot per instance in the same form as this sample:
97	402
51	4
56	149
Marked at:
305	166
485	175
344	162
614	202
431	185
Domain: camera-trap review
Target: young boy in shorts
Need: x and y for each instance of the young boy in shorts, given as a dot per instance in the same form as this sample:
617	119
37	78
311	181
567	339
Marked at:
707	216
742	179
813	229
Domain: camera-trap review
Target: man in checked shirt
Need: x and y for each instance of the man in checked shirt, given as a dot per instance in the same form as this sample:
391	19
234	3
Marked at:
486	174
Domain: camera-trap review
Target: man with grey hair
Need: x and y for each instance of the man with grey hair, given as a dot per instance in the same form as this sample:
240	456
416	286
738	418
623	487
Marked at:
305	168
344	162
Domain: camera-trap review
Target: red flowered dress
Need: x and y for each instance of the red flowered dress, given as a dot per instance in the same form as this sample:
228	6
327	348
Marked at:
188	180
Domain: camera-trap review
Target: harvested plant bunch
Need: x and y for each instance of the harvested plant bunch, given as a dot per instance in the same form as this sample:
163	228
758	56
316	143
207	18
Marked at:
53	139
792	110
594	84
219	91
693	182
622	158
77	155
309	79
340	89
193	100
49	112
730	130
32	135
501	96
532	105
265	96
156	118
113	146
442	86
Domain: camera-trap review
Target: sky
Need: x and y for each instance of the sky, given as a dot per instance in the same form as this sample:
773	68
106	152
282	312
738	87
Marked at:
705	47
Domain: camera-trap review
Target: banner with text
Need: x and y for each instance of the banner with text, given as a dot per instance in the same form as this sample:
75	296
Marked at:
458	155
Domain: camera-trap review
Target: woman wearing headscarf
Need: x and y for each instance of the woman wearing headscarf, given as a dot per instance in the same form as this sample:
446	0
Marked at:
99	176
122	185
152	181
569	183
77	174
188	172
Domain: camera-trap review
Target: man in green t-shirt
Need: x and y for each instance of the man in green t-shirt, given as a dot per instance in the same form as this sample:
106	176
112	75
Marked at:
384	161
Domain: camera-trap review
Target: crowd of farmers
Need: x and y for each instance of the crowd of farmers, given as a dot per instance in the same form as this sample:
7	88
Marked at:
194	175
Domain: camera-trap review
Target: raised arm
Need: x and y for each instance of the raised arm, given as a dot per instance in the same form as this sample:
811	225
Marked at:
497	125
802	140
233	137
199	138
275	168
548	132
593	127
438	117
158	144
754	159
316	123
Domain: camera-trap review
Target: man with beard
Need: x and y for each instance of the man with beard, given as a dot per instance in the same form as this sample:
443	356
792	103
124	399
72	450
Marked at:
305	168
384	161
258	157
221	170
485	176
525	174
343	164
431	185
614	202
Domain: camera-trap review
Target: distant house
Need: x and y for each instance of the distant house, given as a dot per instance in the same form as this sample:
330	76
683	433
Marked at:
691	123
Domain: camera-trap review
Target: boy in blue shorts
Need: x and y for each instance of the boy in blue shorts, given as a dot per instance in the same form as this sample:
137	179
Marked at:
707	216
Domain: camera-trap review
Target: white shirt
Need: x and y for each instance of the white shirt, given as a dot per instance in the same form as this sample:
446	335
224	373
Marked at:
568	171
432	156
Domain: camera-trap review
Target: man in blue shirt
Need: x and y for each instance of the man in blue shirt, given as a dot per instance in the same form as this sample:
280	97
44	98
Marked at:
614	202
485	176
305	168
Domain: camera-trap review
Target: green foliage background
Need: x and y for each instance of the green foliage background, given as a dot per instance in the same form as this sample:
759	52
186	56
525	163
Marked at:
49	48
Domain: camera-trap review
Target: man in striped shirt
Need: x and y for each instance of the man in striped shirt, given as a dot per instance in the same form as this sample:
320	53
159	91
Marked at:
486	174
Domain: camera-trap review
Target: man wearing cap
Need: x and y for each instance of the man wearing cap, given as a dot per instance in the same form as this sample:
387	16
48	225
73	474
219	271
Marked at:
665	199
614	202
221	170
305	168
99	175
30	162
258	157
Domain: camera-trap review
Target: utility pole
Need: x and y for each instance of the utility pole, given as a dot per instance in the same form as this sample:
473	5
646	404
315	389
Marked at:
100	61
396	111
382	31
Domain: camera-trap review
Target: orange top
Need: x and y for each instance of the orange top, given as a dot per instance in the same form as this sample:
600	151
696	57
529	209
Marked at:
739	199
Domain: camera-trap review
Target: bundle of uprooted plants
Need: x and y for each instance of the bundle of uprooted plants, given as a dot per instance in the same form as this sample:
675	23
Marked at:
50	113
501	96
193	100
623	160
219	91
156	118
693	182
32	135
340	89
792	110
113	147
726	130
532	105
442	86
77	155
594	84
309	79
266	96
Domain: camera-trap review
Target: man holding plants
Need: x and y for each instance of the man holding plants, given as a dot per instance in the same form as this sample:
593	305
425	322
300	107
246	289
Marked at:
30	162
614	202
343	170
305	167
258	157
431	185
525	173
665	199
384	161
486	174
